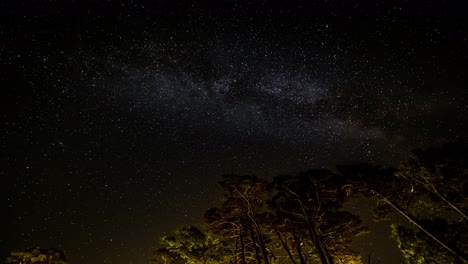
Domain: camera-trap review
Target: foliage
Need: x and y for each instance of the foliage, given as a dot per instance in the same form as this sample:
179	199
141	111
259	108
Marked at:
164	256
437	179
295	219
37	255
190	245
441	172
429	187
418	248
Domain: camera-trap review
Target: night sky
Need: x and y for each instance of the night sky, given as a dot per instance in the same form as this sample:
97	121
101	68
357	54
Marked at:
118	118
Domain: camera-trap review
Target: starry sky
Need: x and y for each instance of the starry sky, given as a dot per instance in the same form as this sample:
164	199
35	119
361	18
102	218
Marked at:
119	117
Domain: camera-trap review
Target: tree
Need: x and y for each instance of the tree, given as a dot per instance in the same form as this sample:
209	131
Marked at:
418	248
437	176
228	223
190	245
164	256
37	255
311	203
442	172
244	204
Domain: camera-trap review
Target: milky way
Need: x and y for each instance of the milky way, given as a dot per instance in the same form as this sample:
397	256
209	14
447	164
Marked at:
247	96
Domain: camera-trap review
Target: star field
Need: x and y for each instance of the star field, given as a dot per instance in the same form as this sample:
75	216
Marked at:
119	119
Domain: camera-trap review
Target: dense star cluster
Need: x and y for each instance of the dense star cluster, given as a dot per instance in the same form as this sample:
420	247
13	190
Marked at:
118	119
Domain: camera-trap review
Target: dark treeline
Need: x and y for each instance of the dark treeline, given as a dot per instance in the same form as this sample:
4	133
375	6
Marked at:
300	219
37	255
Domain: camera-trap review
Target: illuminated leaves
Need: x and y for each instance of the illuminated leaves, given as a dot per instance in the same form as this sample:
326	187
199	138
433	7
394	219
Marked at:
37	255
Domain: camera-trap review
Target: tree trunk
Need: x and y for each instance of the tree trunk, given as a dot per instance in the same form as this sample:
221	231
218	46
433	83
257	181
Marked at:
258	231
242	247
316	241
298	246
262	243
235	250
329	257
254	241
449	203
285	246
